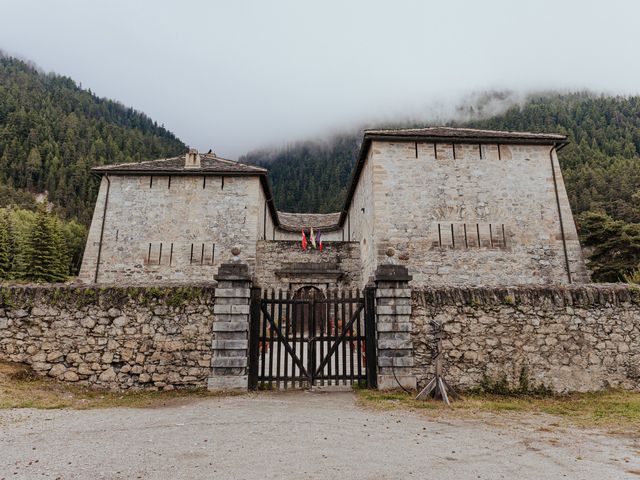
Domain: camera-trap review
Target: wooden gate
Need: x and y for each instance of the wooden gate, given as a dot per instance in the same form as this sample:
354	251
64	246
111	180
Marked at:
312	337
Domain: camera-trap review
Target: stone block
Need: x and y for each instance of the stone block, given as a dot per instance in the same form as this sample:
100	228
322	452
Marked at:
395	344
391	382
230	344
57	370
109	375
393	293
240	382
234	326
394	326
396	361
229	362
239	293
393	309
231	309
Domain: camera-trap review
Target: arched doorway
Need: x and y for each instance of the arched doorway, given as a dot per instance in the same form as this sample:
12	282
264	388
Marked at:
302	315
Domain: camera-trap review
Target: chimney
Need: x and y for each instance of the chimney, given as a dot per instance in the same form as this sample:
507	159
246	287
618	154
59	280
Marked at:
192	159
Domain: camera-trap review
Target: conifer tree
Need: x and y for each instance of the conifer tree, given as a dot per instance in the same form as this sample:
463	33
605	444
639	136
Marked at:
44	256
5	245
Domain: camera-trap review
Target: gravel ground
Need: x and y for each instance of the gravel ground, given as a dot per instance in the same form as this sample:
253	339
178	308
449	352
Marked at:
299	435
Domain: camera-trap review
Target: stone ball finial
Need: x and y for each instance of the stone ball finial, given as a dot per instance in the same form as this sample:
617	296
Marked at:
390	252
235	251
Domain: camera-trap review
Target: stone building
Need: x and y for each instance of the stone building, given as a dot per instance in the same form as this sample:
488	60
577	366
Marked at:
459	206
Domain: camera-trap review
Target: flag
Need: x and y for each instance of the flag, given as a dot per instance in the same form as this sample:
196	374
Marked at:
312	238
319	240
304	240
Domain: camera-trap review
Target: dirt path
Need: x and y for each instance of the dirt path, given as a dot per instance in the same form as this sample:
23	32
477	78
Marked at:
296	435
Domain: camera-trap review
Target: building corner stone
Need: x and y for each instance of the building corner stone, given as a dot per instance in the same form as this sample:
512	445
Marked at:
394	328
230	336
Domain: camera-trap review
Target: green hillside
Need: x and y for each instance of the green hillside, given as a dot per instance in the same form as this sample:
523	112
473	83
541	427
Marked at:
51	133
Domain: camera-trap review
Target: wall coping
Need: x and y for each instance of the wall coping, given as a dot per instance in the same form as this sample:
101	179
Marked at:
14	296
586	294
538	295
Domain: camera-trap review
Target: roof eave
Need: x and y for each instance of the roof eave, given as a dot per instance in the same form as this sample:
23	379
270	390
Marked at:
330	228
472	140
199	173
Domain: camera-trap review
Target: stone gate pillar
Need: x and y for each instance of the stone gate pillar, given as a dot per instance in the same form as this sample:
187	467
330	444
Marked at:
393	322
231	327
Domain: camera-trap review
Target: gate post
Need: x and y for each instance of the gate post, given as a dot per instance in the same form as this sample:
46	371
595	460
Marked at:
370	336
393	322
231	326
254	337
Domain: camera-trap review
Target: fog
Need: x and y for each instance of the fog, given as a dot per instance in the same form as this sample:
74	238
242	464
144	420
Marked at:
237	75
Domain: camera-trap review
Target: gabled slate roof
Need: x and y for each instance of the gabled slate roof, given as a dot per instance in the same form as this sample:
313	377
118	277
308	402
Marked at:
210	163
319	221
465	134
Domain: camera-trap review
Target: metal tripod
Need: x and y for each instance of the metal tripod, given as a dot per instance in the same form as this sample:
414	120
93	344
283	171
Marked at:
437	388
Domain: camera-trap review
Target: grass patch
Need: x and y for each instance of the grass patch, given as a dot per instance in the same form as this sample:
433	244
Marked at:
525	386
615	410
21	388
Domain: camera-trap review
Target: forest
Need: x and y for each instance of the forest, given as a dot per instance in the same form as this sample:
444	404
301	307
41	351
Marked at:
52	132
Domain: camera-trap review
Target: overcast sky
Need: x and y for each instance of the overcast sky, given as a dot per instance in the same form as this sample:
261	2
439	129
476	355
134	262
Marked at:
236	75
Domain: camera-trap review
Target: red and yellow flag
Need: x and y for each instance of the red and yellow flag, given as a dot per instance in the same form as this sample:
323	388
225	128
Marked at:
304	240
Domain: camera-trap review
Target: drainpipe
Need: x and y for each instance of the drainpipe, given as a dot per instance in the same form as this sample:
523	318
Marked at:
104	216
555	186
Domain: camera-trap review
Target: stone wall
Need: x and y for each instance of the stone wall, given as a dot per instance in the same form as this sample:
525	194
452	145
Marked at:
360	220
574	338
467	214
117	338
176	229
571	338
282	264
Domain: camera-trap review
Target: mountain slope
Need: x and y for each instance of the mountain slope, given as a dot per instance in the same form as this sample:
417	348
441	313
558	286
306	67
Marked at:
52	132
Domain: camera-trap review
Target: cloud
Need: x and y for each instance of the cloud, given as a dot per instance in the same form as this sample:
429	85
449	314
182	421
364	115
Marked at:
234	76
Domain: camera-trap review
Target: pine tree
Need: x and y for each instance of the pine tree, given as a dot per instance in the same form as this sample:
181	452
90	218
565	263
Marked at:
60	270
5	245
44	255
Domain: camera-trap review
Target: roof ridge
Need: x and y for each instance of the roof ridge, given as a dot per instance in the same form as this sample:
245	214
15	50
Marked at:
234	162
440	130
210	161
137	163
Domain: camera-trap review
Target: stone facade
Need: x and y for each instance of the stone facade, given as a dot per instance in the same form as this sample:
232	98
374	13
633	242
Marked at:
460	206
360	221
475	216
284	265
112	338
177	229
568	338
